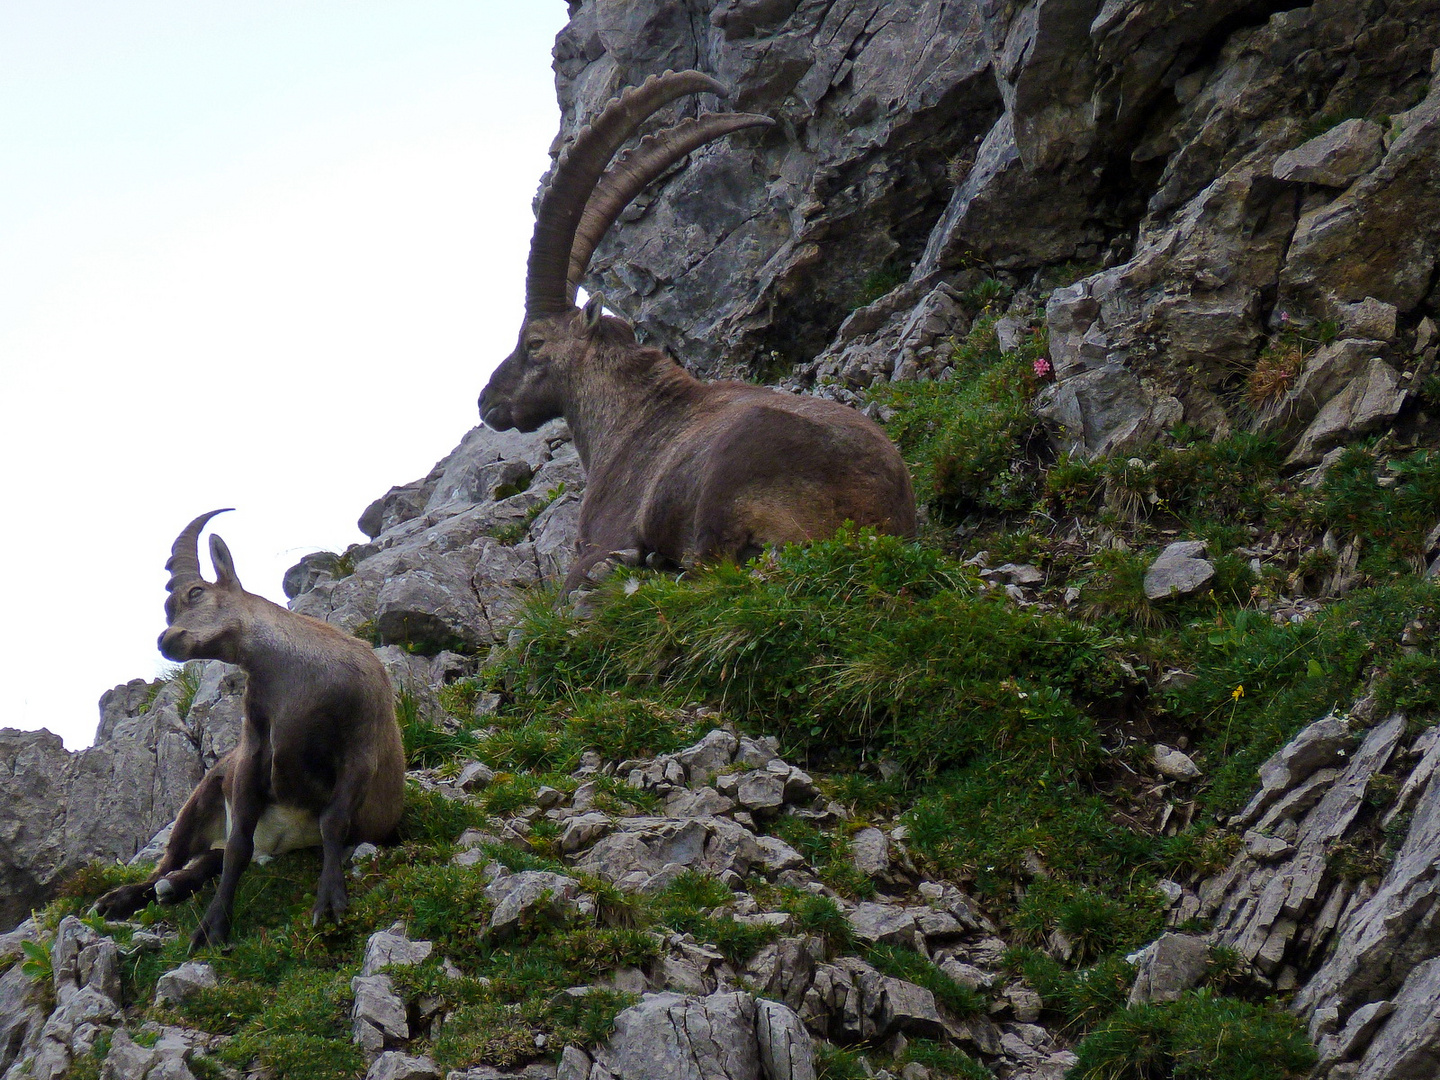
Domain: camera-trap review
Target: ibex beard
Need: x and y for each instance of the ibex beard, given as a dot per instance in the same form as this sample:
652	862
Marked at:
319	761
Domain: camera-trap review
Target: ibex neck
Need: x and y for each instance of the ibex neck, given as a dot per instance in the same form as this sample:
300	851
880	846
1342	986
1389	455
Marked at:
268	653
612	404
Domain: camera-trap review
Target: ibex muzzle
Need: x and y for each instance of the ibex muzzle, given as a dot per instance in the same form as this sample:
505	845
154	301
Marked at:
319	761
675	468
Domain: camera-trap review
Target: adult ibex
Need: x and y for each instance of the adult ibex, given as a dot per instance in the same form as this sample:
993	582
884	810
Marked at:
676	468
319	759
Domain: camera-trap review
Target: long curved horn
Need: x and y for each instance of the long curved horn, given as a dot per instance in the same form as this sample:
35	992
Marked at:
578	171
184	561
634	171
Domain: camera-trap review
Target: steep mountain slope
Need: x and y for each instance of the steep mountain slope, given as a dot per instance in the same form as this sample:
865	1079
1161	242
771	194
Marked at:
1124	770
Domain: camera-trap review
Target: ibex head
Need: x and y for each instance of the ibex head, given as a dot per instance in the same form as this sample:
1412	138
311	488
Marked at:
203	619
582	201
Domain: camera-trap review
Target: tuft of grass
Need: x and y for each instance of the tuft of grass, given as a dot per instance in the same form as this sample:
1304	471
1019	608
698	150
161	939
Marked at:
1200	1036
186	679
685	906
966	439
945	1061
1116	594
880	281
428	744
1258	683
1275	369
1080	997
1095	922
513	532
434	818
1392	518
829	854
820	915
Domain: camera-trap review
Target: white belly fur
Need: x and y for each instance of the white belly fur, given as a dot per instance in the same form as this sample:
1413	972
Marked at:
281	828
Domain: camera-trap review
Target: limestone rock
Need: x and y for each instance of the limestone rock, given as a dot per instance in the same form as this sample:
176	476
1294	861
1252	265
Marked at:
378	1015
1372	400
1366	243
393	1065
1261	910
1168	967
1336	158
707	1038
1326	371
1174	764
183	982
786	1050
1370	318
707	757
882	924
59	809
520	897
387	947
1320	744
1180	570
870	852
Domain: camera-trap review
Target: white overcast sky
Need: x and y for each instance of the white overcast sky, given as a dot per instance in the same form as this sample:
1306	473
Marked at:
257	254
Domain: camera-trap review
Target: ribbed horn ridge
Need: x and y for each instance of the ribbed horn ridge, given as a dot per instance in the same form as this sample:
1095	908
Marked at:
635	170
184	561
579	170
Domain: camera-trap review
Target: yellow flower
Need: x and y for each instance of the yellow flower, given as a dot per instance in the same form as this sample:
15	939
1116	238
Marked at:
1238	692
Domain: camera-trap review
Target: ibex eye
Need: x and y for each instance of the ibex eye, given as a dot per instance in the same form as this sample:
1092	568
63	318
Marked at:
195	594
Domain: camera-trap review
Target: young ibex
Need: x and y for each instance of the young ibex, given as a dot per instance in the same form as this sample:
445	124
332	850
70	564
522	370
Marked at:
677	469
319	760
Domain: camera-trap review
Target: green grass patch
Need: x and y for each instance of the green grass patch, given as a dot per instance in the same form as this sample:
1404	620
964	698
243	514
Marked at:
858	646
964	438
1200	1037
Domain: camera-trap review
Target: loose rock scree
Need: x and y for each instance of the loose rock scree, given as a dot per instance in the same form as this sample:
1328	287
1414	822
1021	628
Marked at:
319	761
678	471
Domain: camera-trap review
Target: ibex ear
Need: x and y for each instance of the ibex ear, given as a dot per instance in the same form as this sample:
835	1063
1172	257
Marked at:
224	564
594	308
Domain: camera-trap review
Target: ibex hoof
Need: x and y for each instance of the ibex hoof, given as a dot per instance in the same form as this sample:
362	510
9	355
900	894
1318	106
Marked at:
206	936
123	901
165	891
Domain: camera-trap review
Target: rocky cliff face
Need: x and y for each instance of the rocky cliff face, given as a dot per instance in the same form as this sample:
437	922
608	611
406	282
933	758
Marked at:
1172	196
1226	171
60	809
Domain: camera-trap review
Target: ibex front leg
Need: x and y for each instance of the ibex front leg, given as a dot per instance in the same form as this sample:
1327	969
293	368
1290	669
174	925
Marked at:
247	803
189	860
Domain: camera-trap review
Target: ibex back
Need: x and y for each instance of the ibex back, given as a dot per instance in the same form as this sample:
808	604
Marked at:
677	469
319	760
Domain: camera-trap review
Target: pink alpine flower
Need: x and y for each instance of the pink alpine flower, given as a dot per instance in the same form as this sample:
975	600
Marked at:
1042	368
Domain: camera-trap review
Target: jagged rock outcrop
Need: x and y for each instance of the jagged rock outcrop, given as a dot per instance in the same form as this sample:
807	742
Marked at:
59	809
452	556
1238	168
1296	906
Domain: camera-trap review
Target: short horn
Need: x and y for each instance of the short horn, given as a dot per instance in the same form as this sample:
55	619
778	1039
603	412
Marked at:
635	170
184	561
579	170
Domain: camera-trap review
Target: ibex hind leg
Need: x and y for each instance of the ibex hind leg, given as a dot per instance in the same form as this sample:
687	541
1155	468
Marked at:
188	854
